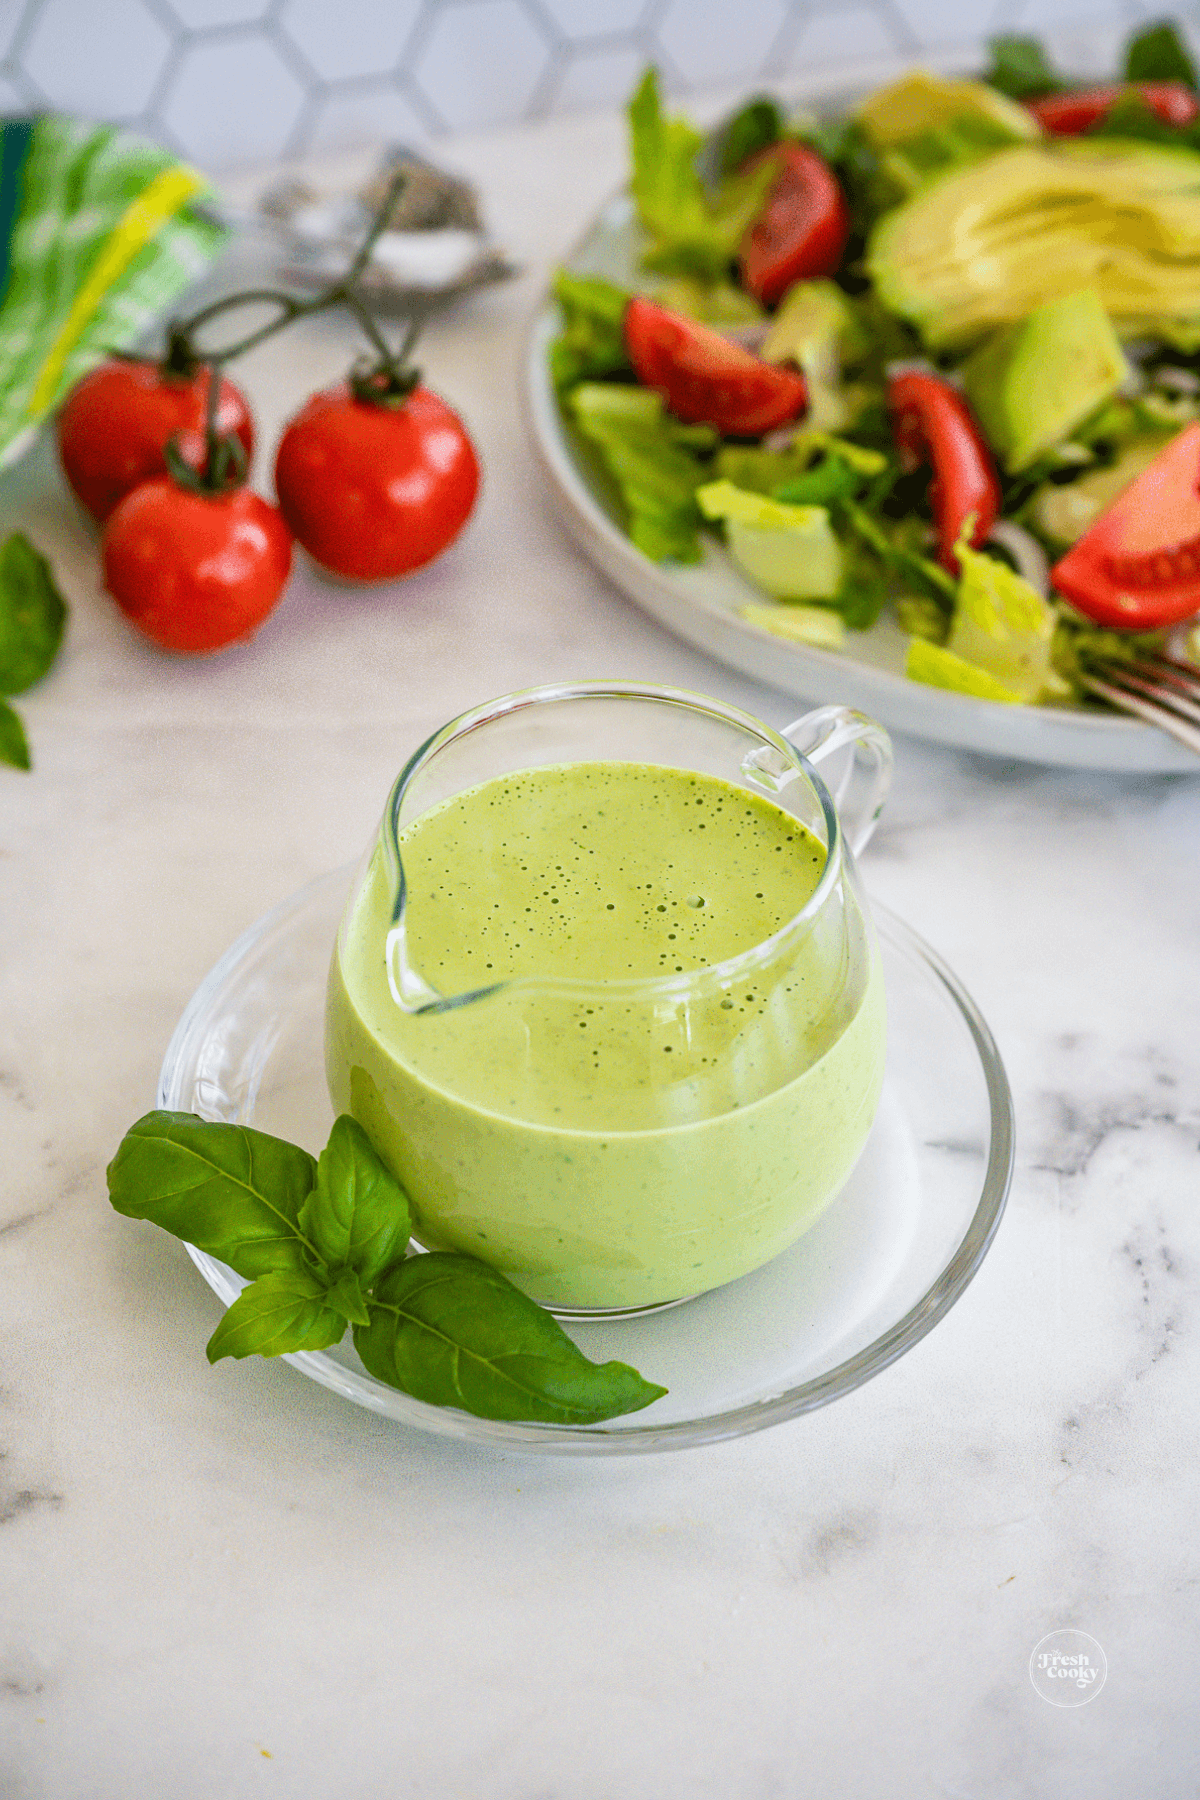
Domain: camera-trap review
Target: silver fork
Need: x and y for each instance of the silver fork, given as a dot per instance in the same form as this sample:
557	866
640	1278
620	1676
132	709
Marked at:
1160	689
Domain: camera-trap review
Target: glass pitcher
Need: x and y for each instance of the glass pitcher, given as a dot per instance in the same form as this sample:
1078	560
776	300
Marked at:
613	1142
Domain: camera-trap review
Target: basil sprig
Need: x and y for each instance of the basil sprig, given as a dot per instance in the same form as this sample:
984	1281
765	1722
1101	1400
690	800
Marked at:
323	1244
32	617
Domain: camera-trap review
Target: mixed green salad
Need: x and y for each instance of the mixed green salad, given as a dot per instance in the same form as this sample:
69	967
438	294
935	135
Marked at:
940	355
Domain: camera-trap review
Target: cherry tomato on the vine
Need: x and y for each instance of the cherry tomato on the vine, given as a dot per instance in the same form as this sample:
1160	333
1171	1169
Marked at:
374	489
195	571
115	424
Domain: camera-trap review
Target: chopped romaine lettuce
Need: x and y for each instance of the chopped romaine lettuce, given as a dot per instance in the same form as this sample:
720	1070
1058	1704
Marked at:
592	341
763	471
1003	626
791	551
820	626
693	232
753	127
656	462
712	302
938	667
922	617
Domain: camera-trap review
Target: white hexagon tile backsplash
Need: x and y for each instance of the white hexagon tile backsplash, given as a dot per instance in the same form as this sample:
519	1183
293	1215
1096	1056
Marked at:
229	82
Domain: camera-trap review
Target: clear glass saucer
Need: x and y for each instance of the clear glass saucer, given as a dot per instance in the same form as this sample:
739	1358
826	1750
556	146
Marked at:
885	1262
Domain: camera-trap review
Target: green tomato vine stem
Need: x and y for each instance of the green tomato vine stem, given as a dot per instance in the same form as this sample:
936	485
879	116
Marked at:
386	379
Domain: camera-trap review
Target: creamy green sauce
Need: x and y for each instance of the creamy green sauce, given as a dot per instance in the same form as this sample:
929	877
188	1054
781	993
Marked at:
603	1142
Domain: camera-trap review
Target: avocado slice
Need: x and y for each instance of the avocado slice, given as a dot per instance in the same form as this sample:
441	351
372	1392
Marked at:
921	102
983	246
1031	384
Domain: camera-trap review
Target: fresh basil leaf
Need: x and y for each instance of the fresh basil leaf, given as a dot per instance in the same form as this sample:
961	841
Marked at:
592	340
1159	54
231	1191
346	1297
287	1309
453	1332
14	746
1021	69
32	615
356	1214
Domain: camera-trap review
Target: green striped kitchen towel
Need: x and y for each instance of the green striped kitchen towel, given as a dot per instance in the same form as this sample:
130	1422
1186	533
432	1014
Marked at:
98	234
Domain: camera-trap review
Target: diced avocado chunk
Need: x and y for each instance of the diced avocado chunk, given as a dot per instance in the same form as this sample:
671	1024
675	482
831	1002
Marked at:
791	551
921	101
983	246
1032	383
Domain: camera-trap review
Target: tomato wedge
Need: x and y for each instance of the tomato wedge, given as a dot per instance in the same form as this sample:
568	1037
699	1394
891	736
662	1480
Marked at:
932	423
1067	115
801	231
706	380
1138	568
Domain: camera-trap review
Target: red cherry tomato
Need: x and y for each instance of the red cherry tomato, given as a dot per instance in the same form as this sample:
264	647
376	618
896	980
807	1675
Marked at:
801	231
195	571
1138	567
706	380
371	490
932	423
1067	115
115	424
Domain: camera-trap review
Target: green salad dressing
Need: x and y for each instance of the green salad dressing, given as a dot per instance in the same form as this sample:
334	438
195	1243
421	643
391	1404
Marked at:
602	1141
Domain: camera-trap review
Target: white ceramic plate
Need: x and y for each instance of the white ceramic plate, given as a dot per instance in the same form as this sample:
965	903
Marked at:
883	1264
700	601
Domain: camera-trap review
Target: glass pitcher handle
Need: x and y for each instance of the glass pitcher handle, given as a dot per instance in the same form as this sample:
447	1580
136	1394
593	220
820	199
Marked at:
862	785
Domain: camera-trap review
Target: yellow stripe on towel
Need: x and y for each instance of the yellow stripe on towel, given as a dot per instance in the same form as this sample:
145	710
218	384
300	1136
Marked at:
142	220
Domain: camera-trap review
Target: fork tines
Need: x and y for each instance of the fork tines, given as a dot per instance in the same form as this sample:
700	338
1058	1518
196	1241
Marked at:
1160	689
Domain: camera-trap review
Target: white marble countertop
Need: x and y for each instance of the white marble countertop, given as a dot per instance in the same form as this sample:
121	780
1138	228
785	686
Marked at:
231	1582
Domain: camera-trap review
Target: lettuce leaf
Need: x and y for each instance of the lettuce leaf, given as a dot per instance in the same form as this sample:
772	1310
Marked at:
1159	54
592	339
938	667
791	551
1020	68
693	232
1004	627
820	626
656	462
